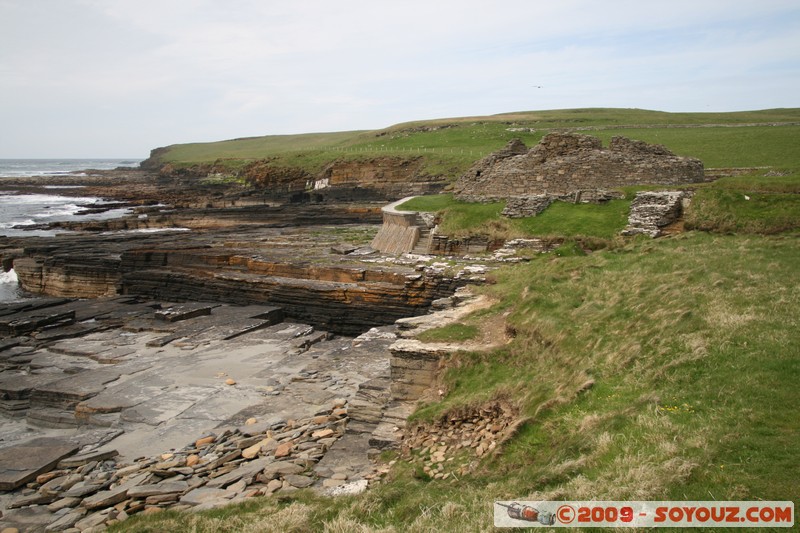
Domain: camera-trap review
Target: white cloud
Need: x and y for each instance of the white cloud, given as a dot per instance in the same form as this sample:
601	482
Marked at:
185	70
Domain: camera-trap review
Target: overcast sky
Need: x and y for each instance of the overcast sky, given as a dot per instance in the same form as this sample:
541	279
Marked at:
115	78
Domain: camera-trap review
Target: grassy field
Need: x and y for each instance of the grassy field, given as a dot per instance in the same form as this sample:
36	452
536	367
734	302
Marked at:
449	146
560	219
645	370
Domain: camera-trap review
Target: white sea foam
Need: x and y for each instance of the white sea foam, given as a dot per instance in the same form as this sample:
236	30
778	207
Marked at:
9	286
9	277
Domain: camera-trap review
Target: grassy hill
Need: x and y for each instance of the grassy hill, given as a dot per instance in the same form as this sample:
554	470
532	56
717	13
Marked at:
645	370
450	146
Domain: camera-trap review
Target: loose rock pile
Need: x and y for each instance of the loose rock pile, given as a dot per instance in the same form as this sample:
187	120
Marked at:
90	492
450	446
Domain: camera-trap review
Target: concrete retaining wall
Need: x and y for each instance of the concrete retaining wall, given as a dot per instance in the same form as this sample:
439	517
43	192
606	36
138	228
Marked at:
400	231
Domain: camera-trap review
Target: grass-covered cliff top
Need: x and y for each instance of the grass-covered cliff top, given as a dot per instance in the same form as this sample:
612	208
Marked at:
450	146
661	369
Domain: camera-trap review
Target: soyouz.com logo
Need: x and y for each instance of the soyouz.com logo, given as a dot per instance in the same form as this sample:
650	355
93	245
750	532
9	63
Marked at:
643	514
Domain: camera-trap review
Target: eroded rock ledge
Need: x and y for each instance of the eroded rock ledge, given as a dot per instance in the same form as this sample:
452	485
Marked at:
293	268
101	397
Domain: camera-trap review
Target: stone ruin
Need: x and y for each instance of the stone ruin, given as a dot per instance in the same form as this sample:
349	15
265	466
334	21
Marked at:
652	211
572	167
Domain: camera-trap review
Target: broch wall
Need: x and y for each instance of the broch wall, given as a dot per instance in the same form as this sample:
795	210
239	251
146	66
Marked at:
563	163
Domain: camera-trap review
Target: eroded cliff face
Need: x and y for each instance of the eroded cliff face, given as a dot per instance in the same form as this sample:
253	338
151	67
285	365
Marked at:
391	178
563	163
346	300
291	268
376	179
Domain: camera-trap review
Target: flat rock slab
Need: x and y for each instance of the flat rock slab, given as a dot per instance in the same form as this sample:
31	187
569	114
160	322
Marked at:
85	458
203	495
34	518
105	498
129	394
13	342
22	462
73	389
30	305
20	386
247	471
158	489
178	312
167	405
22	323
79	347
67	332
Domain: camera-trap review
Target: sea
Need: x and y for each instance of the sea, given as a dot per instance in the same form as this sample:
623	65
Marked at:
18	209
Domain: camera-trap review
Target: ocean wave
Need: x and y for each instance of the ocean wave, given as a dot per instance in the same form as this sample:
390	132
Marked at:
9	277
11	224
60	211
43	199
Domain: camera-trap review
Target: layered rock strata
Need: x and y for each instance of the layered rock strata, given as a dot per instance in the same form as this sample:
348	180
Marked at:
344	300
367	179
293	269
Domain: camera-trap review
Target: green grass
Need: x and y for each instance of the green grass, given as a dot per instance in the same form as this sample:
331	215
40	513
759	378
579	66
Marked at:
431	203
691	348
751	203
561	219
449	146
585	220
729	211
724	147
652	369
459	219
457	332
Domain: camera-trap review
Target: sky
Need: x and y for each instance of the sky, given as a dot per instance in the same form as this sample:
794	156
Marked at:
116	78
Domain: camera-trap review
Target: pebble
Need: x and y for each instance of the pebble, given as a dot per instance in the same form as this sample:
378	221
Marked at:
203	441
96	494
283	450
299	482
322	433
330	483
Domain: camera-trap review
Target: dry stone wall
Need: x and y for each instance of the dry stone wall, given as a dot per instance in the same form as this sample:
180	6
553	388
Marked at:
563	163
652	211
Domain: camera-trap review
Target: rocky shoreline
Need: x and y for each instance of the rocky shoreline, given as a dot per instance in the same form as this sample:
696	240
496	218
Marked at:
99	398
259	330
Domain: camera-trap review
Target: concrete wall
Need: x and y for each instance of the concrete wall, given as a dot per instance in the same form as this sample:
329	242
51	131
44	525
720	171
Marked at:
400	231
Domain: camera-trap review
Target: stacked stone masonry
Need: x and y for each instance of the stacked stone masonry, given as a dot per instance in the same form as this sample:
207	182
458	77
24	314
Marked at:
563	163
652	211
